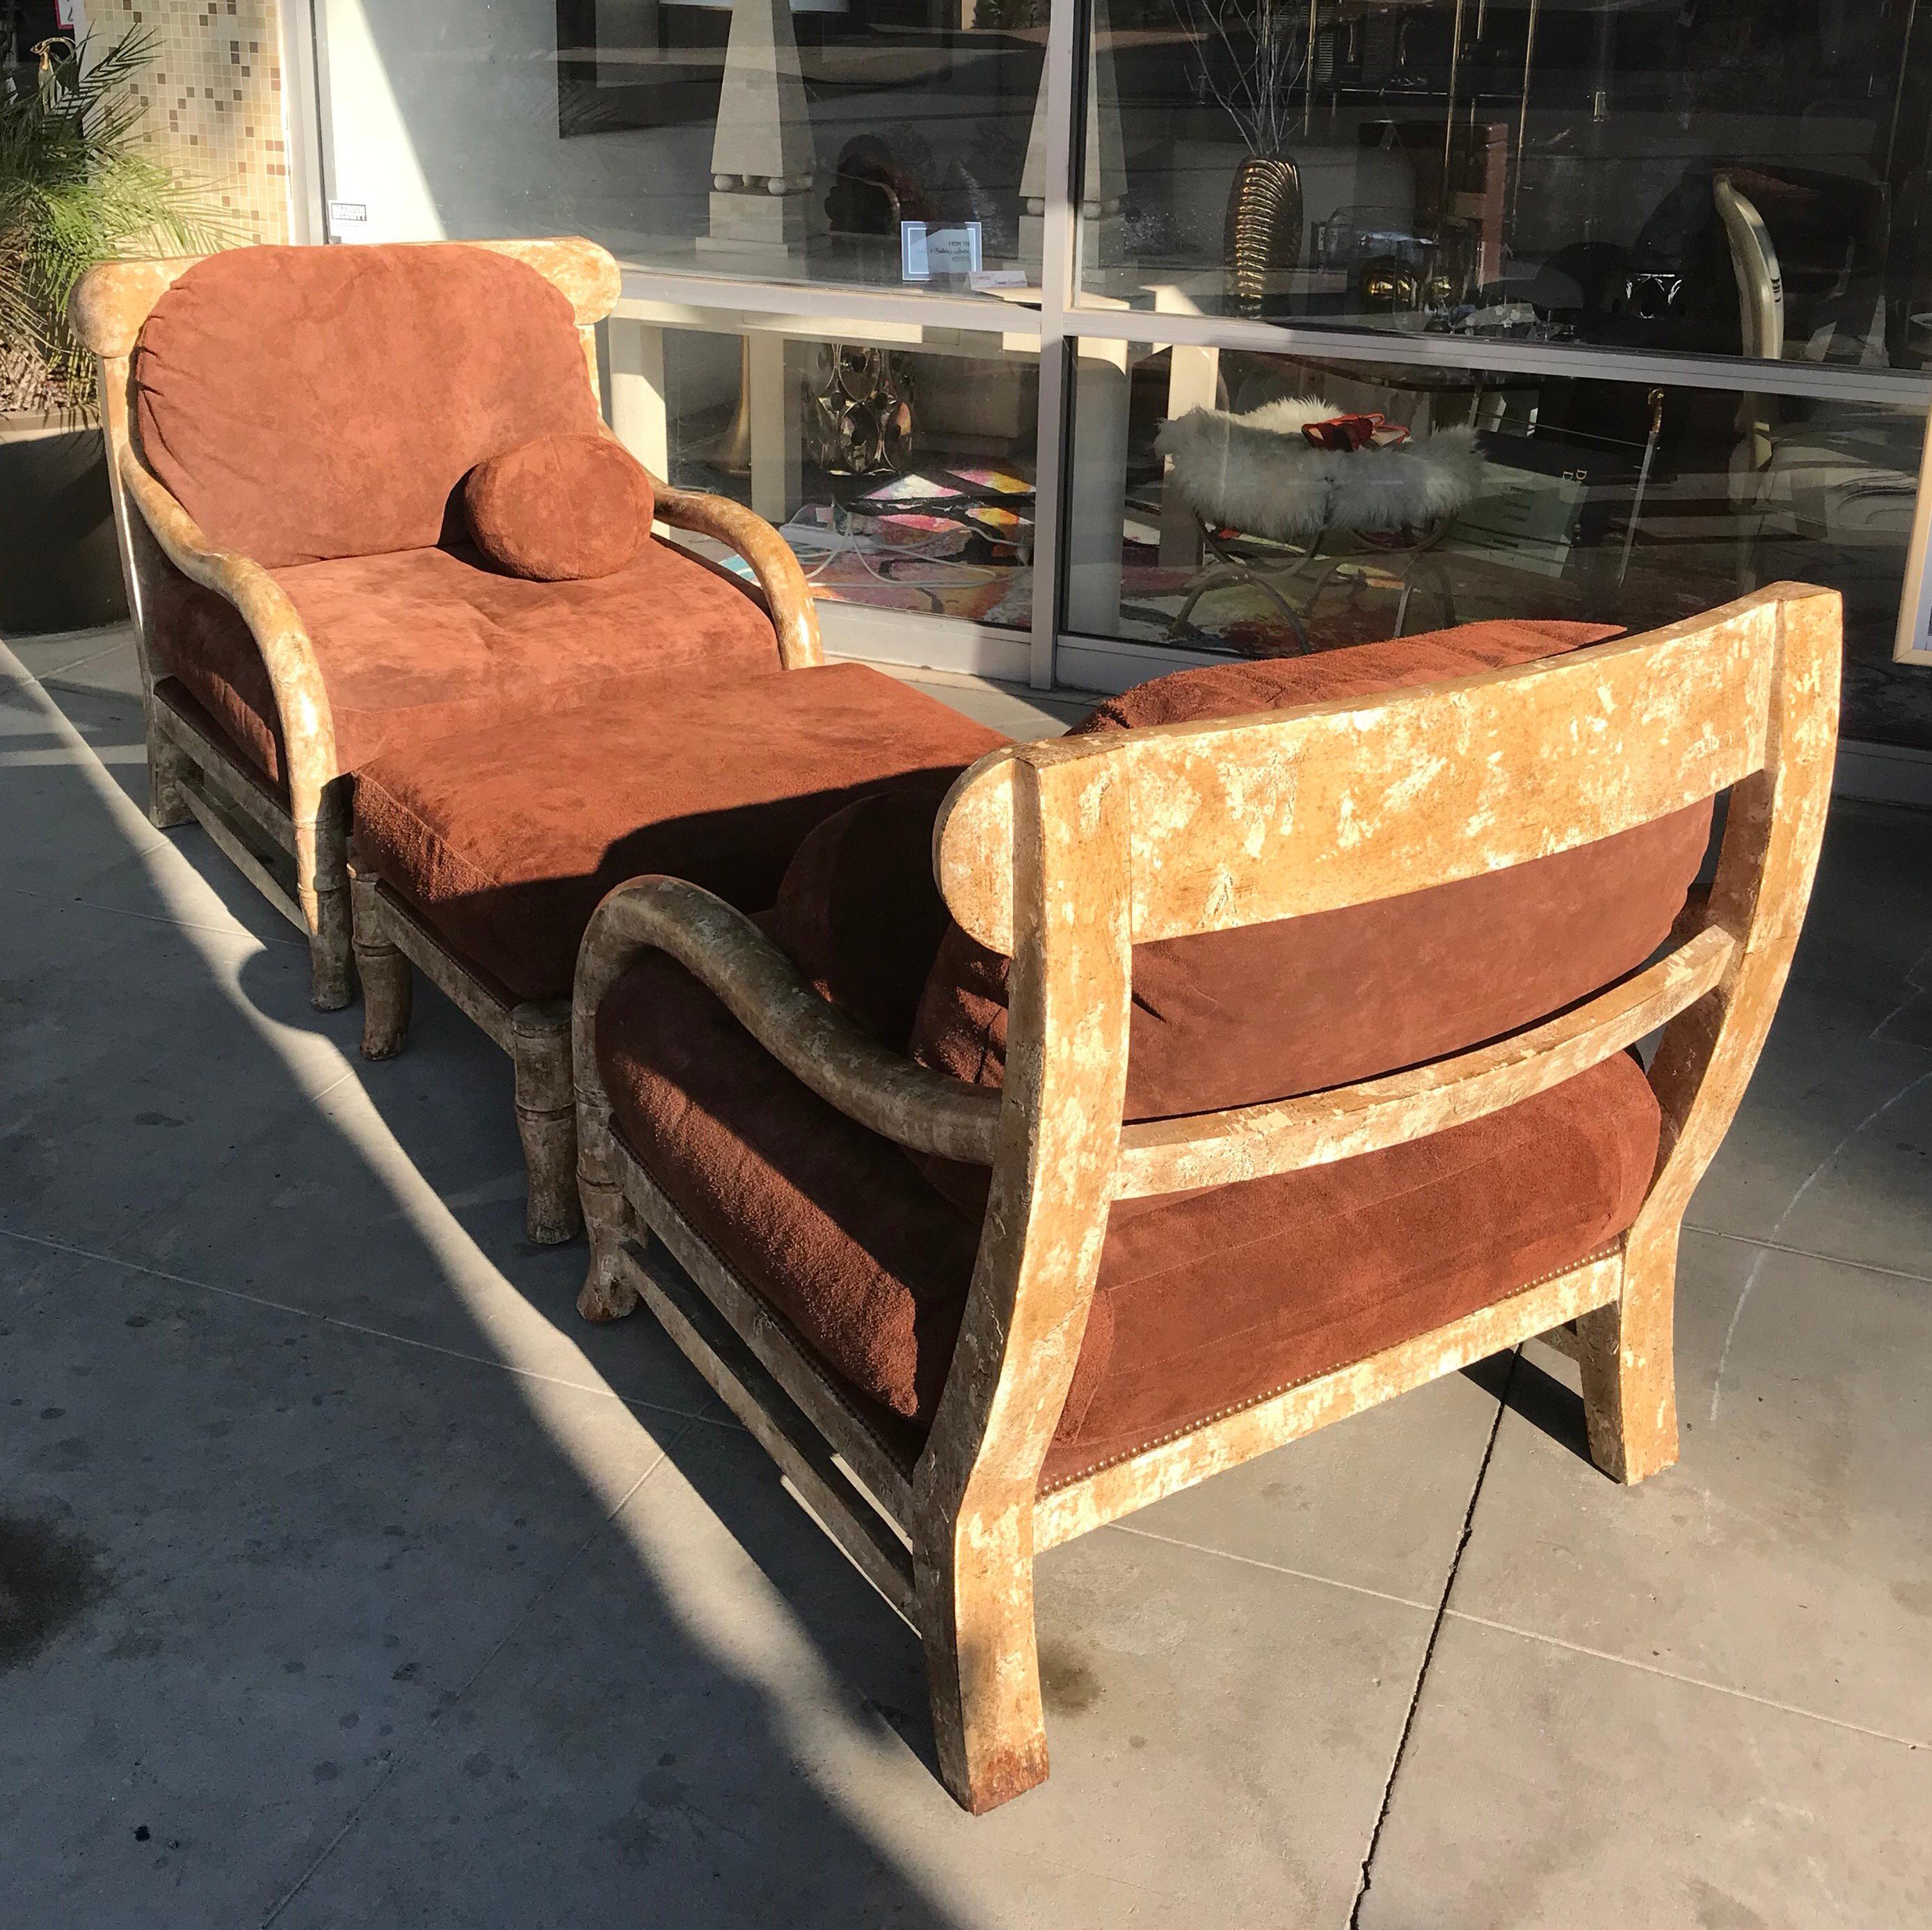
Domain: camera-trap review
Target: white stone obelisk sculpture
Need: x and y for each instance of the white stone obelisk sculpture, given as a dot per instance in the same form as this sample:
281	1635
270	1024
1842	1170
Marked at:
763	200
1103	178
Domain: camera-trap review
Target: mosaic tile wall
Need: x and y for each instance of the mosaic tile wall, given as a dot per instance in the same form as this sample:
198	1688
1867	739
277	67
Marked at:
214	96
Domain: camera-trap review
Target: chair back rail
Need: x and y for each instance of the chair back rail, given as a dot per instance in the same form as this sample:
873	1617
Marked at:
1065	854
1240	822
1251	1142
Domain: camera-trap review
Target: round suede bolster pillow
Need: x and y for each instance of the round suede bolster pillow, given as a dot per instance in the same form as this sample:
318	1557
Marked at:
560	508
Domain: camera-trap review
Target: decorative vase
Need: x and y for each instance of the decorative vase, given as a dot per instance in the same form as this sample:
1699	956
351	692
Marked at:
1261	241
861	419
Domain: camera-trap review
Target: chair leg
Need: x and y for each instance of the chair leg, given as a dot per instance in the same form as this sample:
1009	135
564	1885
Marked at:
167	765
388	978
608	1293
322	889
547	1119
1401	605
1626	1353
981	1662
1296	629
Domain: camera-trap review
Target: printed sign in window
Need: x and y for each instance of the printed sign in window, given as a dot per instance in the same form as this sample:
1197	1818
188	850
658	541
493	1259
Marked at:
926	251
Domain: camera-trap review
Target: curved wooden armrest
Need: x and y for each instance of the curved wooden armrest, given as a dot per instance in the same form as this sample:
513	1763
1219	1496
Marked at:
794	616
769	996
308	730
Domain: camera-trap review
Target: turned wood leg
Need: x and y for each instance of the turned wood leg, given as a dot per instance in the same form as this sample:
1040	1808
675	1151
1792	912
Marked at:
1626	1353
167	765
608	1293
321	891
388	979
982	1661
547	1118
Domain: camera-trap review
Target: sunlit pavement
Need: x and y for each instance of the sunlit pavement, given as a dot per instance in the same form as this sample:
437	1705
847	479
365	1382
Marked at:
346	1578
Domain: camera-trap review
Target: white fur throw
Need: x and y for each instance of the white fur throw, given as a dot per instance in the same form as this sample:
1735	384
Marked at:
1257	473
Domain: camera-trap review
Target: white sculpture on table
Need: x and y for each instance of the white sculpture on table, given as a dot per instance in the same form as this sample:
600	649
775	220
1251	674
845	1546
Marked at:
1103	176
762	162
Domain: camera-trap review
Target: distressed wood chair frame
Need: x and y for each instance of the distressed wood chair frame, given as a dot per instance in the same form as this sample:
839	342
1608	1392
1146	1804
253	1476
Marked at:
296	852
1065	854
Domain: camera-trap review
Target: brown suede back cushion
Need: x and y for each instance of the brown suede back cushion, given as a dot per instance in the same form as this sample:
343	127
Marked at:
859	912
306	404
1269	1011
560	508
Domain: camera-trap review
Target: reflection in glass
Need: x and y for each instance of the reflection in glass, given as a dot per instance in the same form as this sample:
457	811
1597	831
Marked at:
902	478
790	140
1726	177
1204	514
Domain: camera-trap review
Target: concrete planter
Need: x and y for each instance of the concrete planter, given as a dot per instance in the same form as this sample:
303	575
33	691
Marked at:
59	569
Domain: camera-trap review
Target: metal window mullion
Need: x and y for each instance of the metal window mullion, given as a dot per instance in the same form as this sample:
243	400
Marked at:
302	122
1052	448
1820	381
713	300
1909	644
329	165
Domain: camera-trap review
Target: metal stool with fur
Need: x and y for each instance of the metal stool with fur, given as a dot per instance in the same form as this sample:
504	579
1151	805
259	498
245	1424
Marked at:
1256	480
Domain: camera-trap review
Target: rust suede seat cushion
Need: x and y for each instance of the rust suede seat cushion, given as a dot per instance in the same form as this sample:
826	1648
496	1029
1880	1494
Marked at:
1205	1301
504	837
429	640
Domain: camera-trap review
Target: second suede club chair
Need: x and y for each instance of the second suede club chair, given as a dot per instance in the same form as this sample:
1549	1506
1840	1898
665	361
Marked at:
287	429
1259	1051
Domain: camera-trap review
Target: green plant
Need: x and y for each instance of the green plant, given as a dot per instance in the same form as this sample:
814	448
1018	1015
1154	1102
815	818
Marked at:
77	187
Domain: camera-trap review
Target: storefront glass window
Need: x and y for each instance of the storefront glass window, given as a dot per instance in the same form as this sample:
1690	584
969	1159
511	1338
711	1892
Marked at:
902	476
1707	177
880	142
1589	218
1516	495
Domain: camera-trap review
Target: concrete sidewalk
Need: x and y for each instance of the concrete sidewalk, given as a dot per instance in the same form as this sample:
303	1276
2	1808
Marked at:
346	1577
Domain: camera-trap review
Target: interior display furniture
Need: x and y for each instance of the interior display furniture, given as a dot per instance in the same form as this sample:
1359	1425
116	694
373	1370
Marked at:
763	204
1255	475
321	405
1838	473
706	1057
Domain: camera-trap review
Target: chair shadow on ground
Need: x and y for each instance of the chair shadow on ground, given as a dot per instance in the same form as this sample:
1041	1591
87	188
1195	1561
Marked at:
309	1500
1518	1382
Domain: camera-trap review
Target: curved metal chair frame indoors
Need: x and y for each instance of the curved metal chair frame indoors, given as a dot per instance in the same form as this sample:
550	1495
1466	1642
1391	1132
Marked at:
1063	855
1405	561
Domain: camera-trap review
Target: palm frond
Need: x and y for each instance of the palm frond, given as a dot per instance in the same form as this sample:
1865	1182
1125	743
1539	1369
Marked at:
78	186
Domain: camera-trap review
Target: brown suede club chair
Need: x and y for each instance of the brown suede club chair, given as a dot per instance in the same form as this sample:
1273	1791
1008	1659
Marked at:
1275	1061
287	430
